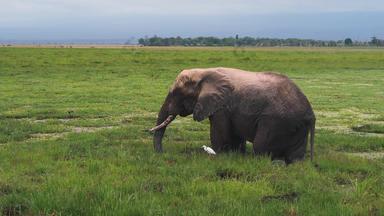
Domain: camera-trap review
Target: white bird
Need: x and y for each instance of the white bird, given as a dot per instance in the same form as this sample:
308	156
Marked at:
209	150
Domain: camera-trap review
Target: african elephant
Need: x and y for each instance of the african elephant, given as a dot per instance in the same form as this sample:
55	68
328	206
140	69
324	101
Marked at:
264	108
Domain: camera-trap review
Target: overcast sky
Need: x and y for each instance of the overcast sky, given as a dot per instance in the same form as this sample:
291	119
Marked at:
118	19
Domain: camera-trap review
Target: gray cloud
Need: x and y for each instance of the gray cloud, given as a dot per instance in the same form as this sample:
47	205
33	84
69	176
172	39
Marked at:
47	8
119	18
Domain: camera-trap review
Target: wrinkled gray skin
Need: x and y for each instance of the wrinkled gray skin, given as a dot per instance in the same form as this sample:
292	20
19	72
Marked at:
264	108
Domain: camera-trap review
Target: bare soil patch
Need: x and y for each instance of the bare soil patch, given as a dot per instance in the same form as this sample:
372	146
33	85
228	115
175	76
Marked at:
74	130
368	155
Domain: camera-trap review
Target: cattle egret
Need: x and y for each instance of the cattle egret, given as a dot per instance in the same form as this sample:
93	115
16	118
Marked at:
209	150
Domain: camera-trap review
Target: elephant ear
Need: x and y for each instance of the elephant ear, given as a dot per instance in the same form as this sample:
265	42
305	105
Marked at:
215	88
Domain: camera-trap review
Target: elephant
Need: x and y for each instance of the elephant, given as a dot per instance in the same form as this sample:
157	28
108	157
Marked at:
264	108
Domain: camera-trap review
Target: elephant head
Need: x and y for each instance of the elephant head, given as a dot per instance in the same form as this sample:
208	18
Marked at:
200	92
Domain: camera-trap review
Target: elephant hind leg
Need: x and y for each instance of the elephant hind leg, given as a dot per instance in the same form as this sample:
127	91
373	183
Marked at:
271	136
298	146
280	138
262	138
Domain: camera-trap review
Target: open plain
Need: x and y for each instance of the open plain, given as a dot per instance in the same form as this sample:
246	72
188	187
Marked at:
74	139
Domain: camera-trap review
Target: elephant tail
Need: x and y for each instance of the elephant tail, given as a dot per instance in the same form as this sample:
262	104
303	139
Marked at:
312	133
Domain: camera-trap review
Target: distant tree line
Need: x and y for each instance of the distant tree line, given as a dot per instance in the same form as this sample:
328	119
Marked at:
251	41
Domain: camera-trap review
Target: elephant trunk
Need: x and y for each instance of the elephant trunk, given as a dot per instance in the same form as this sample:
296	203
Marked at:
163	119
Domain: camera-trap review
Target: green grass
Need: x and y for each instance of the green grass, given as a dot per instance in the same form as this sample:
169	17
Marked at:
73	138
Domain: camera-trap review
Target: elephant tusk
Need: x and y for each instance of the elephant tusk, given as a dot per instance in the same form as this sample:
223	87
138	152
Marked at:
164	124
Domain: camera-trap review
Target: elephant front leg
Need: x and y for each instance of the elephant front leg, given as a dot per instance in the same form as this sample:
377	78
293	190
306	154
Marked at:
238	144
221	135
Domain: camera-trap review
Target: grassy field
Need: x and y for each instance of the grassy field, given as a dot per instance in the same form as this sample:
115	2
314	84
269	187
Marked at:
73	137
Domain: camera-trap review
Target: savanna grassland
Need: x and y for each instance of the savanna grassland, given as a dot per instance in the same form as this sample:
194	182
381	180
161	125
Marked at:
73	137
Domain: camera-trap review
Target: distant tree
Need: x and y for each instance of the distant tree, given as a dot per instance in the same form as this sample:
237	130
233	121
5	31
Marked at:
144	41
374	41
348	42
332	44
250	41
